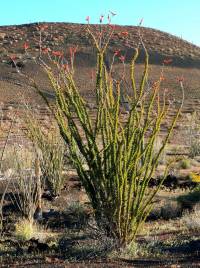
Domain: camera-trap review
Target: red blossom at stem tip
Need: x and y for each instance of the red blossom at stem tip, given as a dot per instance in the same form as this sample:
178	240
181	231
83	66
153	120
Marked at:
87	19
122	58
101	18
72	51
25	46
43	27
45	50
13	57
117	52
57	53
65	67
167	61
180	79
162	78
112	27
100	34
92	75
125	33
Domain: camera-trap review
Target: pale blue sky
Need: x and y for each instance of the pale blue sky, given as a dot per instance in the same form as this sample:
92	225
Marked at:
178	17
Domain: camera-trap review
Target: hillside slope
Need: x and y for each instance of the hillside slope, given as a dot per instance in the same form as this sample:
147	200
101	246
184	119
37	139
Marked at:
61	36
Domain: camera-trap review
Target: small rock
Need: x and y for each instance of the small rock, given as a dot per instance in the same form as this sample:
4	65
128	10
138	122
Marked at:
2	35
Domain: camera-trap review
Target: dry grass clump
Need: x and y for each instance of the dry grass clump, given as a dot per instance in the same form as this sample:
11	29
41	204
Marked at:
135	249
26	229
192	220
51	151
15	154
79	214
25	195
193	134
26	186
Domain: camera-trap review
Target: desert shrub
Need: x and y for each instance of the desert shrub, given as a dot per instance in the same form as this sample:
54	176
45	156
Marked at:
151	247
168	210
184	164
78	214
119	158
51	147
192	220
194	149
189	200
26	194
25	155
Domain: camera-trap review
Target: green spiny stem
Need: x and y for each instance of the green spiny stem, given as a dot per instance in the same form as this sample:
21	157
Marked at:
132	73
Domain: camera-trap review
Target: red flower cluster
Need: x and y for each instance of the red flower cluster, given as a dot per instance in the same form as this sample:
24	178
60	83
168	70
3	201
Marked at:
92	76
13	57
113	27
25	46
65	67
100	34
101	18
180	79
124	33
45	50
42	27
167	61
87	19
122	58
162	78
117	52
57	53
73	51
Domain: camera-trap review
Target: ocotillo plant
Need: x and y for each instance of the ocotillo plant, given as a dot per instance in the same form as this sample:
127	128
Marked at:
119	156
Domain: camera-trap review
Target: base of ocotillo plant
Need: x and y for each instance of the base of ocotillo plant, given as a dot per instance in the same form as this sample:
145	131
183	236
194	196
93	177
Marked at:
38	214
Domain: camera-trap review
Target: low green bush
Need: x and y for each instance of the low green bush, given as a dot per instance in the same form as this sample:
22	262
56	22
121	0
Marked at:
189	200
185	164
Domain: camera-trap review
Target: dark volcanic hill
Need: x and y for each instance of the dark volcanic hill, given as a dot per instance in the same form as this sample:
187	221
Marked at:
57	36
61	36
